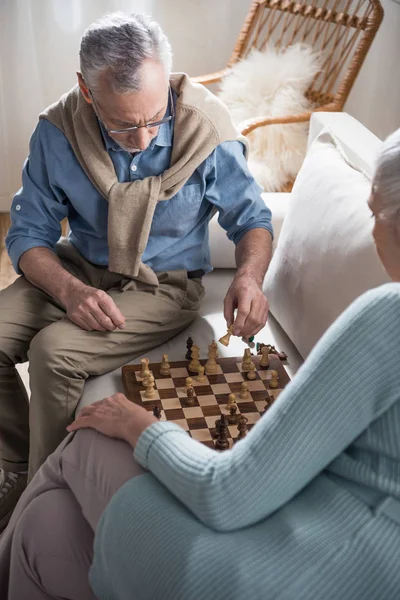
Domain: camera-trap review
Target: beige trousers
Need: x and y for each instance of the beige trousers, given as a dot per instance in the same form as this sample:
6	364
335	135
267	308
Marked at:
62	356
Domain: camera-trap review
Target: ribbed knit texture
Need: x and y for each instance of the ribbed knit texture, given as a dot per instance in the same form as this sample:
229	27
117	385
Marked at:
272	518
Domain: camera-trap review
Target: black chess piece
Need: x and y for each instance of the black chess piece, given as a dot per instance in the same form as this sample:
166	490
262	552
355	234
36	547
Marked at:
242	428
190	398
222	442
189	344
233	418
157	411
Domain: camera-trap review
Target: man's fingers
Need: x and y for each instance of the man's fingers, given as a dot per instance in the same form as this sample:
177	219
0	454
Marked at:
229	309
108	306
241	316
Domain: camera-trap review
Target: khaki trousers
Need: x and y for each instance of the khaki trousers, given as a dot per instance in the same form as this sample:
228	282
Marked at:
62	356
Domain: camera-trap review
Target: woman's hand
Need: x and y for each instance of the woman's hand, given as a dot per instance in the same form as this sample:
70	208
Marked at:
115	417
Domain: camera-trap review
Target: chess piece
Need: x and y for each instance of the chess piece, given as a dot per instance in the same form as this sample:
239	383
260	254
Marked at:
242	428
271	350
226	338
217	426
264	362
189	344
251	374
274	381
157	411
146	376
246	360
222	442
190	397
150	392
200	377
214	346
231	401
145	366
211	365
194	363
244	391
188	382
165	368
232	418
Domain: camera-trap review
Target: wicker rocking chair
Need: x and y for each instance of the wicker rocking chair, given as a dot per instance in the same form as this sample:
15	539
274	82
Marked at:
342	30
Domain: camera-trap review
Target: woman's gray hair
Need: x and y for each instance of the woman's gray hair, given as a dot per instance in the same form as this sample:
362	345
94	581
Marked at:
386	181
119	43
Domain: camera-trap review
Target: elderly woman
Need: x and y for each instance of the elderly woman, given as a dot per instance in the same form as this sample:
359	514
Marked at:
307	506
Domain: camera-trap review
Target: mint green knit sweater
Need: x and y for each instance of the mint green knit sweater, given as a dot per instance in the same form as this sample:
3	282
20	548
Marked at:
291	512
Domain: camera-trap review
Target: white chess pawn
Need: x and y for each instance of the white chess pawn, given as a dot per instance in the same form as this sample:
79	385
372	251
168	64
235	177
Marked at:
200	377
188	382
146	376
244	391
231	401
251	373
145	366
264	362
150	392
274	381
165	368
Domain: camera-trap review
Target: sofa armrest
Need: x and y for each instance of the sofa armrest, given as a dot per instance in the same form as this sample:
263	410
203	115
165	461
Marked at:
360	144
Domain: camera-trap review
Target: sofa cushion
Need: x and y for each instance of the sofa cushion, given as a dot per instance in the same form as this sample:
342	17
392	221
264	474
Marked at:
325	256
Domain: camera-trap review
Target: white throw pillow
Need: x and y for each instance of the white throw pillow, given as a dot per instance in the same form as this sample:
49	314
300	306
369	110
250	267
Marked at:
272	83
325	256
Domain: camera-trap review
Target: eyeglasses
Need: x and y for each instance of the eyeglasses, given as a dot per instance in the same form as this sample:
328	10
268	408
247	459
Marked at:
134	127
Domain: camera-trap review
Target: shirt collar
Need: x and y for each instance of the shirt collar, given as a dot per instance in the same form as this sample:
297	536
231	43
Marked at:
163	138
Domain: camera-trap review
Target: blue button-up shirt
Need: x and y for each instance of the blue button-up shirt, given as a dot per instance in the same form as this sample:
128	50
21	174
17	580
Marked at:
54	186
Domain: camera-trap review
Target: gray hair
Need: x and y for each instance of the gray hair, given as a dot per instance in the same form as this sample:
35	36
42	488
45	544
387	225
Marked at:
386	181
119	43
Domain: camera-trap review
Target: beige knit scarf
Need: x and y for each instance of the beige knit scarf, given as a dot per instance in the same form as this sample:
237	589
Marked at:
201	123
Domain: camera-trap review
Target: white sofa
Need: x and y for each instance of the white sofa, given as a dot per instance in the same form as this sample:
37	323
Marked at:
361	146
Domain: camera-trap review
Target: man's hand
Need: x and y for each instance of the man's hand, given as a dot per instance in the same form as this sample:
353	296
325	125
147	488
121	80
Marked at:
245	295
115	417
92	309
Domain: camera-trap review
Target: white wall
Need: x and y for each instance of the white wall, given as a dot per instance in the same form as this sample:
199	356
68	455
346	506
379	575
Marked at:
39	41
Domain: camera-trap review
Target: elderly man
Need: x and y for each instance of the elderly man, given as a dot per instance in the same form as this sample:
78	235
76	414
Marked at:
138	160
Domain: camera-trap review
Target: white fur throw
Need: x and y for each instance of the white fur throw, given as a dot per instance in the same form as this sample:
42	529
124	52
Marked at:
272	83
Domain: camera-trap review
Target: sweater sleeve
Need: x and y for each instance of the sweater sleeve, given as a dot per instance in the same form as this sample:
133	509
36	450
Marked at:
330	402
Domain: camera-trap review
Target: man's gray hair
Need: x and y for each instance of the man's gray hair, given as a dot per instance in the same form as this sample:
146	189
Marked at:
119	43
386	181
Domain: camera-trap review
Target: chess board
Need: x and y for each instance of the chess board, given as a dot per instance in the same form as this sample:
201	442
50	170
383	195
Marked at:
211	395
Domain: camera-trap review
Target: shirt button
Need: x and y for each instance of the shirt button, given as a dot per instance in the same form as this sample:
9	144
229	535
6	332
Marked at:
133	168
18	207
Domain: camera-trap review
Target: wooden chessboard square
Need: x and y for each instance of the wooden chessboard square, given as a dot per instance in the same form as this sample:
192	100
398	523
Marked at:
213	379
203	390
252	417
163	384
233	431
260	405
211	411
168	393
255	385
245	406
221	388
170	403
234	377
229	367
207	400
259	395
197	423
181	422
265	374
274	392
144	399
200	383
192	412
174	414
222	399
179	372
210	420
235	387
201	435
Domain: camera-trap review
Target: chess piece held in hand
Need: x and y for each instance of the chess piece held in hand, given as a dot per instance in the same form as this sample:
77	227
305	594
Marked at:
226	338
